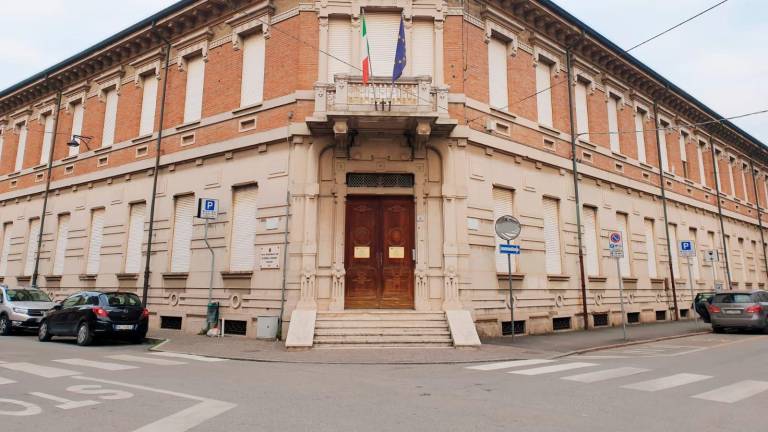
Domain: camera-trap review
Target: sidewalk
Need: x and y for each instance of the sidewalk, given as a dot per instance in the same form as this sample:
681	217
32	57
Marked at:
495	349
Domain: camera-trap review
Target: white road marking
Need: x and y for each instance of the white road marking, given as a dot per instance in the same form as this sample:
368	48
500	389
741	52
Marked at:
734	392
508	364
147	360
188	356
605	374
667	382
6	381
552	369
96	364
65	404
41	371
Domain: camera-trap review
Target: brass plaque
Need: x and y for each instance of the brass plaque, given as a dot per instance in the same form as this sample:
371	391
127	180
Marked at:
362	252
396	252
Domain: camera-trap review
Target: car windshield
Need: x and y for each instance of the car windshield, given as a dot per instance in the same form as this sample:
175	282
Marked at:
21	295
122	299
733	298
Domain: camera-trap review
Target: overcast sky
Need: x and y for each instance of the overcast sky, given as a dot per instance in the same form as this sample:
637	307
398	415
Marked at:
719	58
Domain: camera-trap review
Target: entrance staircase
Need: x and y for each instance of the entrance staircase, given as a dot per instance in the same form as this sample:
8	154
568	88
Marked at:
381	328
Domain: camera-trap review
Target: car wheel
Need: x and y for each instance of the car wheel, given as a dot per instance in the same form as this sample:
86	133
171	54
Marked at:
717	329
139	338
6	327
84	334
43	335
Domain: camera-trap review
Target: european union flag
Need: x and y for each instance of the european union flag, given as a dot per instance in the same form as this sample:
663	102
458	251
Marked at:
400	60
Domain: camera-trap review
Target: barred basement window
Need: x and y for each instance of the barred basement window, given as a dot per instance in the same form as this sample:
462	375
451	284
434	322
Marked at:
170	322
683	313
519	327
561	323
234	327
379	180
600	320
633	317
661	315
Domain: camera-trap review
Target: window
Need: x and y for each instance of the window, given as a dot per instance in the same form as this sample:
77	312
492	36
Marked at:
77	125
62	236
765	188
544	93
94	244
182	233
382	30
2	141
717	170
640	135
590	241
252	88
744	171
497	74
582	113
695	258
135	237
625	261
673	249
753	266
243	255
148	104
650	248
726	249
5	248
613	122
553	260
700	162
193	101
683	156
423	37
21	148
663	154
742	260
48	135
503	200
110	117
33	234
731	163
339	46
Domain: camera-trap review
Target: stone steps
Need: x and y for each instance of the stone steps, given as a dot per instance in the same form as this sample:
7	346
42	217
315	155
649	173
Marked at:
381	329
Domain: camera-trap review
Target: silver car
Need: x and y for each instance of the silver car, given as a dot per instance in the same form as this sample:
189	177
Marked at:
22	308
739	310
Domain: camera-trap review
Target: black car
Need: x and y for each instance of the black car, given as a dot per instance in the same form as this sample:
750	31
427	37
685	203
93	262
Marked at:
87	315
701	304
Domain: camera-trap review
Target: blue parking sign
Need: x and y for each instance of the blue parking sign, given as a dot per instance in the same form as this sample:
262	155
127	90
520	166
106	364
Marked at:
207	208
686	248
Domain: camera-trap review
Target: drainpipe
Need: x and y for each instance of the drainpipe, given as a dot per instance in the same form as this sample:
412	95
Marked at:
35	273
759	213
156	171
287	232
664	205
575	168
720	214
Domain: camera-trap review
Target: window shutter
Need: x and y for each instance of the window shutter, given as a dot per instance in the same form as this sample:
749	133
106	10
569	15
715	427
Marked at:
135	238
34	233
582	117
497	73
700	161
22	147
382	39
640	137
624	262
94	246
77	126
663	146
110	117
62	236
423	54
5	248
683	154
650	248
553	262
148	104
544	93
742	260
243	252
502	205
182	233
252	87
613	123
673	247
590	241
47	139
730	178
193	102
695	258
339	46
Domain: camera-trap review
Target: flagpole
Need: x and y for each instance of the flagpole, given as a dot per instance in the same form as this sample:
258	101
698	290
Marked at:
370	60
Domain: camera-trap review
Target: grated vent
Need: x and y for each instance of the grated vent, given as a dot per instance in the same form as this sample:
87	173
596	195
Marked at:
633	317
373	180
519	327
600	320
170	322
661	315
561	323
233	327
683	313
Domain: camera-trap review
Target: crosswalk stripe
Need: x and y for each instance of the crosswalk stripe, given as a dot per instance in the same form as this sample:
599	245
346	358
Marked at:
667	382
6	381
552	369
96	364
147	360
188	356
41	371
508	364
605	374
734	392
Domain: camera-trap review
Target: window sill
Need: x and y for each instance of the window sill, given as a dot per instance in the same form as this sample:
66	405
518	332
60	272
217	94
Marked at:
175	275
52	278
14	174
558	278
189	125
597	278
657	280
102	149
69	158
127	276
247	109
514	276
549	130
646	166
688	181
87	277
619	155
629	279
587	143
22	279
707	188
39	167
228	275
142	138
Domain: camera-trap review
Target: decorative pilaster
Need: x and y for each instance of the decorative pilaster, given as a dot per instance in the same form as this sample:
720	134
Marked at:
422	288
337	287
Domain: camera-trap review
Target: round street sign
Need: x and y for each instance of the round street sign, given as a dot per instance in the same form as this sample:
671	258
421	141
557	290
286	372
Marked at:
507	227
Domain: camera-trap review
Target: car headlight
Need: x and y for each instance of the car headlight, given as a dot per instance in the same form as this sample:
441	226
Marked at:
20	310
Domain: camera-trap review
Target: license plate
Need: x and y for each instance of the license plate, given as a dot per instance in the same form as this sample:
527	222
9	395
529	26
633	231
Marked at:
733	311
124	327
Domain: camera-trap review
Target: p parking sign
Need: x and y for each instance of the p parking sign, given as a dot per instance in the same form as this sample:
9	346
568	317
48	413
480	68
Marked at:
686	248
207	208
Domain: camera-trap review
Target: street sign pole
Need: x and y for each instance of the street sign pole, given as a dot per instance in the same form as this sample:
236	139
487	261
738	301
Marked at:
621	298
208	209
693	297
508	228
511	297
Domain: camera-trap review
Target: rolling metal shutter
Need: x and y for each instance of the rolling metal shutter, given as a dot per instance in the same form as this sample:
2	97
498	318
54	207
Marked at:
96	239
650	248
582	116
77	126
422	56
613	123
544	93
553	262
590	241
624	262
135	238
694	259
47	139
182	233
148	104
502	205
382	39
21	148
110	118
673	247
339	46
62	236
193	101
252	87
6	248
497	74
34	233
639	136
243	252
742	260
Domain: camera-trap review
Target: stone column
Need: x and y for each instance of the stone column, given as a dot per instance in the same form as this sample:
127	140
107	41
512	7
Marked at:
322	61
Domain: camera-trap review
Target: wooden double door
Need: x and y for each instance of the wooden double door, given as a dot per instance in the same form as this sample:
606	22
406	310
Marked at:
378	252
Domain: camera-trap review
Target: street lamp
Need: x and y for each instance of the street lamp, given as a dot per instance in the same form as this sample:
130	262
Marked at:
77	139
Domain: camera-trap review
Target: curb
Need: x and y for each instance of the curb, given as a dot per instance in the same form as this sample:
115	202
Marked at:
625	344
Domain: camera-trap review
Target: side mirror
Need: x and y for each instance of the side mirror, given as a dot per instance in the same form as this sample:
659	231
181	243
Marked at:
57	306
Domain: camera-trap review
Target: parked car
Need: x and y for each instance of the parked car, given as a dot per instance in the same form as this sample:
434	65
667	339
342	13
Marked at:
22	308
739	310
701	304
92	314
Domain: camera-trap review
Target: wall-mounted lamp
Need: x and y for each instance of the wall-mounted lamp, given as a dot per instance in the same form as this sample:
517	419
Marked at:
77	139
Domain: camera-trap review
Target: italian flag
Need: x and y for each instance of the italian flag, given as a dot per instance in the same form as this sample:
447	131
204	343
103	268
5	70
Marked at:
366	53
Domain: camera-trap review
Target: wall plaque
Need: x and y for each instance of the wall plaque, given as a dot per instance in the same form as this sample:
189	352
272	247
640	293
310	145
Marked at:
397	252
362	252
269	257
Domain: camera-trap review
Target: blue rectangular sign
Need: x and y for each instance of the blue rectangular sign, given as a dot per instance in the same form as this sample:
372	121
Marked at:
509	249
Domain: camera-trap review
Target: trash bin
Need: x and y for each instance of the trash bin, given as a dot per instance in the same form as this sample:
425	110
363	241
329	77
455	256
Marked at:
213	314
266	327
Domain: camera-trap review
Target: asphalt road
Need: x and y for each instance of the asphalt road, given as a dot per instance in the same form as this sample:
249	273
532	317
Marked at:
700	383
